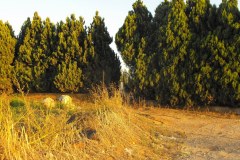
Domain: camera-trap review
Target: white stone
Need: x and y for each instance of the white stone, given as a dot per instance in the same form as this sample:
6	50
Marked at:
48	102
65	100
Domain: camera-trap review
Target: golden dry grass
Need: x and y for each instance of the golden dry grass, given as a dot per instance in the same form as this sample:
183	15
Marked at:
28	130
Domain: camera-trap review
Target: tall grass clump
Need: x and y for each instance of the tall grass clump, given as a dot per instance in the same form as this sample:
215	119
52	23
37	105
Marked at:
102	128
34	133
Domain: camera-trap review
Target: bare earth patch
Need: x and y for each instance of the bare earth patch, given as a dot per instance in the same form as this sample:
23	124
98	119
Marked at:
203	135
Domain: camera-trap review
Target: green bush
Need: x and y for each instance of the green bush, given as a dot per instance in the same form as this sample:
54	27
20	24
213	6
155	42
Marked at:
17	103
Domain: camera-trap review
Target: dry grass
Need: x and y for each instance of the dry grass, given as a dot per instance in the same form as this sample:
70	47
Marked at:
28	130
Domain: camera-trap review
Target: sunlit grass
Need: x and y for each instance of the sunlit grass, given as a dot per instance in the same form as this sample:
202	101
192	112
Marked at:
28	130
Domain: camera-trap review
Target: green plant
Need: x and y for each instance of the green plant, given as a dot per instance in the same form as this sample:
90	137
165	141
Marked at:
16	102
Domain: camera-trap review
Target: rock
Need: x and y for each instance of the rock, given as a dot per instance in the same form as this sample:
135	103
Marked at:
65	100
81	118
48	102
71	119
90	133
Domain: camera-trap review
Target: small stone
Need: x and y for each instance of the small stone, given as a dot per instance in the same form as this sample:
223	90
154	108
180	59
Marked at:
48	102
65	99
90	133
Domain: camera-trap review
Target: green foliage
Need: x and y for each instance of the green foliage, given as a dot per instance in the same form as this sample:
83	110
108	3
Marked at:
105	64
68	78
7	49
189	56
136	26
70	39
72	51
16	102
132	42
6	85
63	57
33	52
18	107
173	56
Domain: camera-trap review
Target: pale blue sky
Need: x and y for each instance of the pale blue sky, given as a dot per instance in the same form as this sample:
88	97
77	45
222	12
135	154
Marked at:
114	11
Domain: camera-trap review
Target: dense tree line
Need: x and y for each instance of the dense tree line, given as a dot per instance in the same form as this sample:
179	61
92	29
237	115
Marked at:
66	57
186	54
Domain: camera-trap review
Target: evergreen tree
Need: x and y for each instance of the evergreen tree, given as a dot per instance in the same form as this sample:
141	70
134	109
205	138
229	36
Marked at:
7	49
136	26
31	59
190	55
68	78
198	13
88	61
132	42
106	64
159	25
11	29
70	50
228	34
173	79
47	44
69	36
22	69
20	37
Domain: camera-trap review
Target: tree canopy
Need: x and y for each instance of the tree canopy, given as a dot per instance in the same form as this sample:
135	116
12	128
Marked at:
188	54
66	57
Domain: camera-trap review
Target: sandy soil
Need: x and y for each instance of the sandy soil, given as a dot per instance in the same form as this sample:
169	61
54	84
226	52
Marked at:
204	135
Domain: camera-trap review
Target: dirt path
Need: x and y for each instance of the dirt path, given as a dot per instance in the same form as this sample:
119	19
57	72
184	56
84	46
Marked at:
205	136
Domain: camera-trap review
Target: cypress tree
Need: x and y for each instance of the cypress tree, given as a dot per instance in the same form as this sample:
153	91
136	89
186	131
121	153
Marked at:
132	42
190	55
173	78
48	44
32	56
136	26
106	62
68	78
88	61
23	59
228	33
20	37
159	26
7	49
69	53
11	29
198	13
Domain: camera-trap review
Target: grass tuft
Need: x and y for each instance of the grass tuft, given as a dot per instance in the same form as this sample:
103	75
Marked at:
104	127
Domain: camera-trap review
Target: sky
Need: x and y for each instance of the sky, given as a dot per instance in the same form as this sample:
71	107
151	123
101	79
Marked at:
113	11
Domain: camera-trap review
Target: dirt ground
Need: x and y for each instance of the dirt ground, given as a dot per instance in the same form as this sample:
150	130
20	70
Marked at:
201	135
204	135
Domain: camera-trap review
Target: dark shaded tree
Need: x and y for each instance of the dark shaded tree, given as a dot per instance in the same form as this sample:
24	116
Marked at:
173	79
105	64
